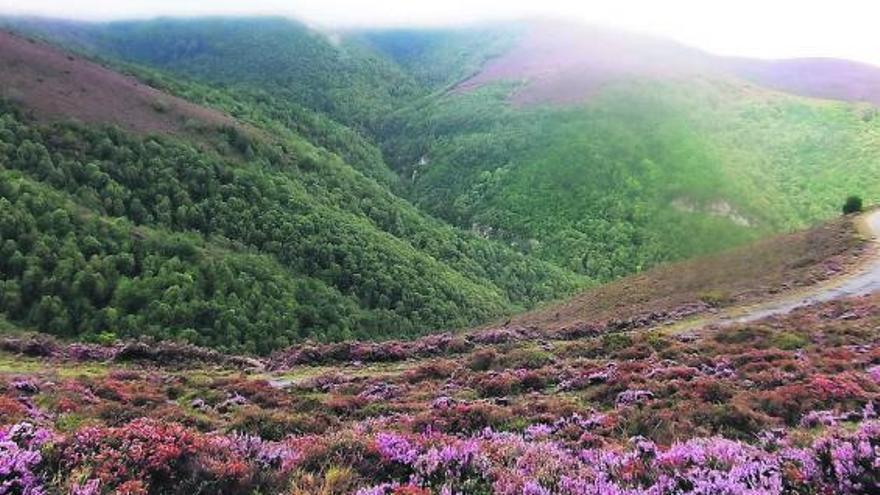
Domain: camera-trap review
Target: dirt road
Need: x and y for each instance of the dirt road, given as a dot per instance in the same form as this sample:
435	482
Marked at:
865	281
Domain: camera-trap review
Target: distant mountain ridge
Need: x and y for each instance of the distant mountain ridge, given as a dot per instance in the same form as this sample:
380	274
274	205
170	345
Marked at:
829	78
566	62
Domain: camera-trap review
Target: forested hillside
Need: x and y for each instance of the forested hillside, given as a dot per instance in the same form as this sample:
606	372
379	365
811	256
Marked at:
278	57
646	171
555	193
247	256
602	153
240	239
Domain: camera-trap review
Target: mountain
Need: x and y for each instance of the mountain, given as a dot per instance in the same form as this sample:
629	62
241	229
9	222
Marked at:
281	57
826	78
607	152
560	62
569	154
178	221
239	256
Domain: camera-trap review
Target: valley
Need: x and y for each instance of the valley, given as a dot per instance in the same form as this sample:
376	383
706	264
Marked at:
251	255
485	411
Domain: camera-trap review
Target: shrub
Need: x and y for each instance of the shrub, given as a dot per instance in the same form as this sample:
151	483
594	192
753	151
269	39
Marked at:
482	359
276	425
732	421
526	358
613	342
788	341
149	456
853	204
463	418
334	481
716	298
432	370
496	384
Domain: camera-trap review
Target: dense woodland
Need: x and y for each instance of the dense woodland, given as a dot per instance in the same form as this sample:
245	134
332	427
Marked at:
107	232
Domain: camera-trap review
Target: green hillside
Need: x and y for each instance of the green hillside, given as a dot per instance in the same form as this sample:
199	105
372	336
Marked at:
281	57
246	244
406	203
440	58
644	172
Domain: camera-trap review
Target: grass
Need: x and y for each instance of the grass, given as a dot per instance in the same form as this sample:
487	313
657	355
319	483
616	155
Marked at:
14	365
739	276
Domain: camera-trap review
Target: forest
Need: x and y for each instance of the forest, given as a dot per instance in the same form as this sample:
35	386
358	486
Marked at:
249	250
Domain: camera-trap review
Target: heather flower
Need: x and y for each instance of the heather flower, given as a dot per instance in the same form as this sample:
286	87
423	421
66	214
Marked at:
819	418
851	463
20	459
18	470
25	386
633	397
539	431
396	448
442	402
90	487
644	447
27	435
534	488
874	373
382	489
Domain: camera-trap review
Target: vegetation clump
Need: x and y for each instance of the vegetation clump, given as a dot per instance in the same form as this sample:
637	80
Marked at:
853	204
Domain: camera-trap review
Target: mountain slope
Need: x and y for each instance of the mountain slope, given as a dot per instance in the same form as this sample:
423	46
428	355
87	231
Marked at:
607	152
833	79
598	151
568	62
331	254
538	408
280	57
274	71
57	85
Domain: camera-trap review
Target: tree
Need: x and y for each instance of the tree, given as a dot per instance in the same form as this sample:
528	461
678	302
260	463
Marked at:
853	204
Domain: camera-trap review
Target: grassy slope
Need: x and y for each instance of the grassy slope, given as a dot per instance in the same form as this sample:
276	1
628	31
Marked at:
734	277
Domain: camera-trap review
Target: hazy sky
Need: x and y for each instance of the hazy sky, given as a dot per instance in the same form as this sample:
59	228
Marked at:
760	28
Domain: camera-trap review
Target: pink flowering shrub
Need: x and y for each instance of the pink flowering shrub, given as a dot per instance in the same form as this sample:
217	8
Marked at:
149	456
512	411
20	459
511	464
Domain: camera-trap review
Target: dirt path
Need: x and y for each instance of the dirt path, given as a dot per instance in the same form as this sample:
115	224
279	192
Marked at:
864	281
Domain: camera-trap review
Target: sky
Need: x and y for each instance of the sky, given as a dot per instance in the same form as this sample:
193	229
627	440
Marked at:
754	28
